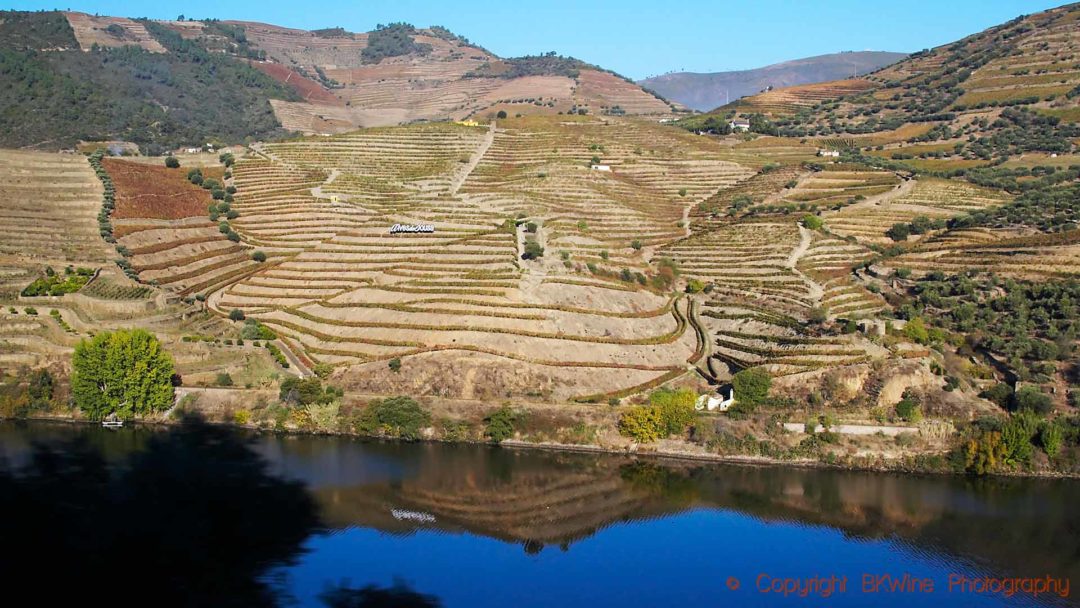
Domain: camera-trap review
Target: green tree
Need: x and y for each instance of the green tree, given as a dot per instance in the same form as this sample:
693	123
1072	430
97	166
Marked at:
1051	437
812	222
236	315
752	385
399	417
40	390
898	232
501	114
172	162
258	256
395	364
499	425
124	372
916	331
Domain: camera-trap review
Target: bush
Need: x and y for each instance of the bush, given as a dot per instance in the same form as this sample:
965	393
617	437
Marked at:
253	330
695	286
812	222
323	370
305	391
1031	399
1051	437
752	385
916	331
258	256
636	244
236	315
395	364
400	417
908	410
641	423
224	379
499	425
172	162
241	417
501	114
676	409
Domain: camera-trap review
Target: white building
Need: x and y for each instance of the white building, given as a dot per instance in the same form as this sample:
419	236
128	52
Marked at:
721	403
833	153
601	168
739	124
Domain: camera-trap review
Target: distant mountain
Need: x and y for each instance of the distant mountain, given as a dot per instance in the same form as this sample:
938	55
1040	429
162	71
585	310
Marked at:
707	91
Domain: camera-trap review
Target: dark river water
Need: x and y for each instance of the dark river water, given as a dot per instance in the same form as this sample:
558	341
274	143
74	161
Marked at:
483	526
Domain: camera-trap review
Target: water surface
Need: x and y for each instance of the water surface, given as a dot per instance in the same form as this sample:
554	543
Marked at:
484	526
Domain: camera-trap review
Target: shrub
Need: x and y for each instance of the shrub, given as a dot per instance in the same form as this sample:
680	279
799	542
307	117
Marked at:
236	315
258	256
501	114
812	222
395	364
908	410
752	385
224	379
916	331
1031	399
305	391
695	286
676	409
499	425
1051	437
323	417
253	330
241	417
323	370
641	423
395	416
636	244
172	162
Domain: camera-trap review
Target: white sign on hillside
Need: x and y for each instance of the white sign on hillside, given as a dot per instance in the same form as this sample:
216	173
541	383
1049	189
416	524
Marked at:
396	228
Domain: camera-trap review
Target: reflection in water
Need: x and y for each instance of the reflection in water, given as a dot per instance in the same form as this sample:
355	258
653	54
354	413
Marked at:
197	510
192	518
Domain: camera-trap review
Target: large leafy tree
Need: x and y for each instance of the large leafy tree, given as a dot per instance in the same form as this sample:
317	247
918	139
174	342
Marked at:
125	372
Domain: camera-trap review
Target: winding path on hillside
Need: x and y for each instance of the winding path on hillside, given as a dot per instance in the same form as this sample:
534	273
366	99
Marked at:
459	179
815	291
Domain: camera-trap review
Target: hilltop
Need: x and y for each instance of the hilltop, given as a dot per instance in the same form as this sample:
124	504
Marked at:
70	76
706	91
898	252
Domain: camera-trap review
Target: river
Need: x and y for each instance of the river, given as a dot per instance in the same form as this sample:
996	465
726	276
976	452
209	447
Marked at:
467	525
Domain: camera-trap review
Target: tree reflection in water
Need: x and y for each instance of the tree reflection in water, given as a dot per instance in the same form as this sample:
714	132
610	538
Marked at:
193	519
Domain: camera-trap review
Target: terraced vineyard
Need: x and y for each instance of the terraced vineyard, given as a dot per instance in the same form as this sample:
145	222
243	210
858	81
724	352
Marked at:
166	231
1026	256
49	203
348	292
789	100
928	197
838	186
766	277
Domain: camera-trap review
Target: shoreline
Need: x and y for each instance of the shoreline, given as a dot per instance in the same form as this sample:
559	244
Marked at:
671	455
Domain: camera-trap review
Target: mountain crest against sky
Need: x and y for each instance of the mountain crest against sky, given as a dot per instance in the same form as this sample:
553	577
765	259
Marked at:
707	91
161	81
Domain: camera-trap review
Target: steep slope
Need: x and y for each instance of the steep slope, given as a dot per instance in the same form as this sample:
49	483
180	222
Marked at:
410	74
1028	64
707	91
68	76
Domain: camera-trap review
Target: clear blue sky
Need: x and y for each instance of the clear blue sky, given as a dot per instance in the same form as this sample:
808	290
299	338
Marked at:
633	37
